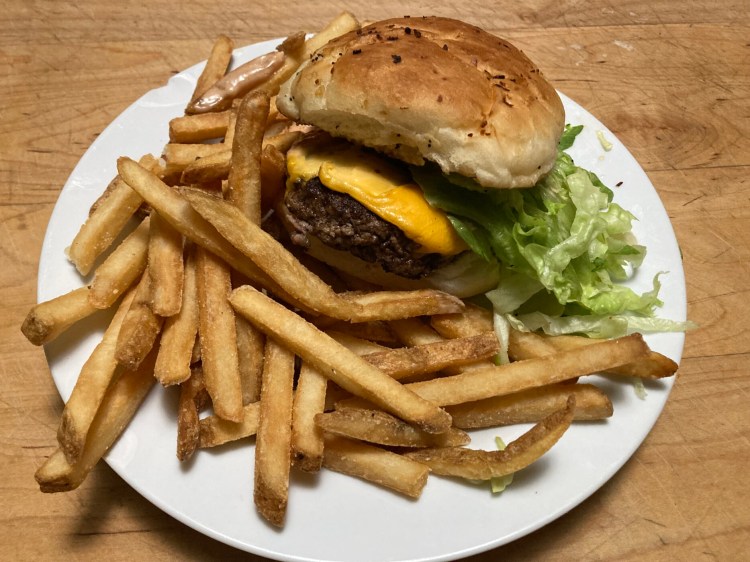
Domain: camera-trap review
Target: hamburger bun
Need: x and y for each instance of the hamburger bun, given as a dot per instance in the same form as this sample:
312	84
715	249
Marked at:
433	89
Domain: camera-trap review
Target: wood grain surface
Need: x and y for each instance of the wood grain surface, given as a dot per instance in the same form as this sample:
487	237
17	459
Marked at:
670	79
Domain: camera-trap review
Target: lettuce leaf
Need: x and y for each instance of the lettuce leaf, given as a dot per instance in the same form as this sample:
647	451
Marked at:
563	238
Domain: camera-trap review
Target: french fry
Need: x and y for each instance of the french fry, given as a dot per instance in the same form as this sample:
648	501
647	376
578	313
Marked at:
47	320
273	441
199	128
208	169
244	186
180	156
231	128
357	345
375	465
272	177
140	327
250	344
483	465
307	437
179	332
376	332
103	226
216	431
165	267
218	336
525	344
307	288
215	67
122	267
335	361
193	398
282	141
412	331
180	214
92	383
432	357
378	427
473	320
118	407
491	381
531	406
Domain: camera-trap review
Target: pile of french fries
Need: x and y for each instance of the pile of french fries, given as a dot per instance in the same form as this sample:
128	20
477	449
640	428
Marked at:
322	371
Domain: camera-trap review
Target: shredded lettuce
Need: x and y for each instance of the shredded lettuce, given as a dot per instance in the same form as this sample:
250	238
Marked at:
563	246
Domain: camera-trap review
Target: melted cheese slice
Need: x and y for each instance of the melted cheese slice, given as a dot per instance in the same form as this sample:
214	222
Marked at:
382	187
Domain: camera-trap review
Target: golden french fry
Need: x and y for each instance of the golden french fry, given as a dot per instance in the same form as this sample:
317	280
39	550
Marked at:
103	226
193	397
357	345
486	382
231	128
524	345
250	344
215	67
139	329
283	140
244	186
199	128
376	465
122	267
378	427
273	441
165	267
181	215
179	333
217	431
47	320
180	156
531	406
432	357
272	177
307	288
375	332
473	320
412	331
335	361
307	437
118	407
483	465
208	169
218	336
92	383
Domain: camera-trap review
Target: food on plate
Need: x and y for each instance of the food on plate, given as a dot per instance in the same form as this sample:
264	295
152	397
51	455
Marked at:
299	261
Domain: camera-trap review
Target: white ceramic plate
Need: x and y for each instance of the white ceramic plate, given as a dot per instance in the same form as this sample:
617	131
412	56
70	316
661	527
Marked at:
334	517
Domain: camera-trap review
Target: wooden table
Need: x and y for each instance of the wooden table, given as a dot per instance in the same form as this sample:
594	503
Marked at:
670	79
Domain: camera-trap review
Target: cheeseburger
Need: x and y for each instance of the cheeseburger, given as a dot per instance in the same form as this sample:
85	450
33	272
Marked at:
390	99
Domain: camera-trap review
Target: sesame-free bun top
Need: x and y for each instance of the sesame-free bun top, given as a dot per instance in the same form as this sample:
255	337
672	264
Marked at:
437	89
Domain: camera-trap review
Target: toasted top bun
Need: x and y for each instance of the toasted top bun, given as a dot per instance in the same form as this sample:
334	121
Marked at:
433	89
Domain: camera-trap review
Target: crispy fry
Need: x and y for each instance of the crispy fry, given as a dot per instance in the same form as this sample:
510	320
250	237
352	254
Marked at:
180	214
282	141
531	406
375	332
375	465
193	397
250	343
342	23
218	336
307	437
139	329
378	427
103	226
483	465
118	407
357	345
272	177
472	321
180	156
244	176
215	67
217	431
208	169
122	267
335	361
165	267
179	333
412	331
199	128
524	345
513	377
91	385
47	320
432	357
273	442
307	288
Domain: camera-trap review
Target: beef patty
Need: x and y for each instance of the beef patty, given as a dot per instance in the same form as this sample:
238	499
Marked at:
340	221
